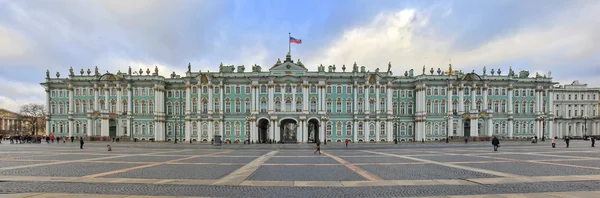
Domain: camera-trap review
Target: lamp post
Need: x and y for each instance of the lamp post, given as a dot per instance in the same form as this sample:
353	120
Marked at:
543	135
585	118
131	117
248	119
447	126
395	118
176	118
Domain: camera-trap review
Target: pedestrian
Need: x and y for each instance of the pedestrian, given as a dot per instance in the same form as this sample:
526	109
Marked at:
80	143
347	143
593	141
466	139
109	148
554	142
318	148
72	138
567	139
496	143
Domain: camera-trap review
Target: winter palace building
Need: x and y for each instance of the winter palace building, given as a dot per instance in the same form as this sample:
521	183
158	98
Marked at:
289	103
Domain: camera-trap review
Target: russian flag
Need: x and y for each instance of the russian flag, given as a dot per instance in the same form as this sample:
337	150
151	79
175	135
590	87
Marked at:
294	40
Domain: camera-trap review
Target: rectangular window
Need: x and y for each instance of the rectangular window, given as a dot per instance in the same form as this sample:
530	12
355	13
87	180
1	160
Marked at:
277	89
247	89
227	90
329	89
349	90
402	93
410	94
237	90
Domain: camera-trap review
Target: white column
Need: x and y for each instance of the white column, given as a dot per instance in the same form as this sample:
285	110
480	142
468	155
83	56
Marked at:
510	105
450	126
474	127
355	100
70	128
271	98
221	129
377	107
211	129
188	111
300	133
322	132
211	101
96	103
461	109
449	103
389	131
366	131
490	126
221	101
305	131
305	97
473	99
282	104
389	94
377	127
253	100
47	111
88	130
106	98
119	105
485	100
367	99
294	99
355	129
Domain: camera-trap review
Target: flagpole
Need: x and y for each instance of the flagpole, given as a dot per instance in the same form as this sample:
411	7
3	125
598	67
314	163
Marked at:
289	43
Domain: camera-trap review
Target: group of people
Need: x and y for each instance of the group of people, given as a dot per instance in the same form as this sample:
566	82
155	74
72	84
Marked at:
567	139
22	139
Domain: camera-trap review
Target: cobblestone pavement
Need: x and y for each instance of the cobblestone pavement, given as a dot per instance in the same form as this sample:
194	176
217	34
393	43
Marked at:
293	170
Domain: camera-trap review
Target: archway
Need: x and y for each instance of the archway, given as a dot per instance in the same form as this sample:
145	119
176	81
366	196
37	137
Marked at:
288	130
263	127
482	126
467	127
313	131
112	128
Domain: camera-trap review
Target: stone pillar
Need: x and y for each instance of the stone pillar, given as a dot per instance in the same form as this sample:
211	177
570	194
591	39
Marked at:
461	110
211	102
88	129
188	105
305	97
377	127
355	130
389	93
96	103
490	125
474	127
300	133
510	105
473	100
377	109
485	99
366	130
305	131
221	101
355	100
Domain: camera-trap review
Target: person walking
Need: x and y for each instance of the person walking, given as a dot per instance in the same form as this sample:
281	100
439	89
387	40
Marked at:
496	143
80	143
554	142
466	139
593	141
318	148
347	143
567	139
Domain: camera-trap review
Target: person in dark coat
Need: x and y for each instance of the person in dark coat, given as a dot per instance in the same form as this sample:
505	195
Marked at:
80	143
496	143
567	139
593	141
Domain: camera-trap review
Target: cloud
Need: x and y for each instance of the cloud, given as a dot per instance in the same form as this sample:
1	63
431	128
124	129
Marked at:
12	44
14	94
407	39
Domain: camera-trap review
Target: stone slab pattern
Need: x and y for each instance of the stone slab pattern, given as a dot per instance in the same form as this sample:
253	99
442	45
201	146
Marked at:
16	163
304	173
219	160
303	160
144	158
455	158
74	169
179	171
421	172
67	157
534	169
588	163
377	160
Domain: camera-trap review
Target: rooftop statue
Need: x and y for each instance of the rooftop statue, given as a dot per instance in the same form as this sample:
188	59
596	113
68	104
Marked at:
58	74
405	73
499	72
511	73
410	73
343	68
355	67
484	70
321	68
96	71
140	73
362	69
47	74
431	71
423	69
189	67
389	67
147	71
330	68
549	74
129	72
81	72
377	70
71	72
493	71
334	68
89	71
155	70
523	74
439	71
241	69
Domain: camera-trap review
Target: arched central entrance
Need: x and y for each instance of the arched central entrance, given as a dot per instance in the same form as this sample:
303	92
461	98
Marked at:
313	130
288	130
263	127
112	128
467	127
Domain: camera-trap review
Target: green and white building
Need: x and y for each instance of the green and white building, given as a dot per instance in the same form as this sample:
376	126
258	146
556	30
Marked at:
289	103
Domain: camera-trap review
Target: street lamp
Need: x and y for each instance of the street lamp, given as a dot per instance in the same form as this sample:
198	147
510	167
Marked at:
131	117
395	118
447	126
585	118
543	135
248	119
176	118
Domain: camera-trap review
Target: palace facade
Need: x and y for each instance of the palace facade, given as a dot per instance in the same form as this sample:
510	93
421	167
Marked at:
289	103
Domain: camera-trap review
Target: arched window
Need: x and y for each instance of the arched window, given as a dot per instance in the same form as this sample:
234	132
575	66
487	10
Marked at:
531	110
204	89
443	107
313	105
263	105
144	129
338	106
328	106
299	107
436	129
338	129
349	106
238	129
194	129
372	106
410	108
169	108
428	106
195	105
227	106
227	131
263	89
349	129
247	105
288	89
177	108
277	104
52	108
371	129
360	105
77	127
382	129
204	106
217	104
169	129
151	107
216	128
361	131
402	108
313	89
429	130
61	108
177	129
144	107
410	130
247	129
151	129
395	108
204	129
238	105
328	129
382	106
77	106
288	104
402	129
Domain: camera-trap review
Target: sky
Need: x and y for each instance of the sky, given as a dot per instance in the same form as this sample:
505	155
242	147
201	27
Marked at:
535	35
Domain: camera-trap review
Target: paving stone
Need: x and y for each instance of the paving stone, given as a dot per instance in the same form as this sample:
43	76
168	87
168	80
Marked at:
577	154
17	163
179	171
245	153
295	153
455	158
74	169
520	156
304	173
533	169
220	160
301	160
421	172
588	163
67	157
376	160
146	158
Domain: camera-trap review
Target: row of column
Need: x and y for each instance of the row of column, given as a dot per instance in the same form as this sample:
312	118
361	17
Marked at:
12	124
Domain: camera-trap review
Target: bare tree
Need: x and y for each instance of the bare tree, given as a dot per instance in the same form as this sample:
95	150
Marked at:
35	115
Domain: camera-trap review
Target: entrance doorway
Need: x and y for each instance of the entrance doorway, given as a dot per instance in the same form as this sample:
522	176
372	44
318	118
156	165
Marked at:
112	128
313	131
263	127
467	127
288	130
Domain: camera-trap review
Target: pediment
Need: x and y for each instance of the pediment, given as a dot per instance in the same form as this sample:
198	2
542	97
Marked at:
7	113
287	66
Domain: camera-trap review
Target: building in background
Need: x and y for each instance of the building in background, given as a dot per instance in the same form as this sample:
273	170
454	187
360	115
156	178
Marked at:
576	107
13	123
289	103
